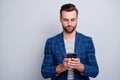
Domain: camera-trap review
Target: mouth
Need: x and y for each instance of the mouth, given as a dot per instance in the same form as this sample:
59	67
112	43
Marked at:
69	26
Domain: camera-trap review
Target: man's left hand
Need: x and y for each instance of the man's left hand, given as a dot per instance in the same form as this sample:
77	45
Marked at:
76	64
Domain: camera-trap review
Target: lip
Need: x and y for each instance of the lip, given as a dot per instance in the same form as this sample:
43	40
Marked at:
69	26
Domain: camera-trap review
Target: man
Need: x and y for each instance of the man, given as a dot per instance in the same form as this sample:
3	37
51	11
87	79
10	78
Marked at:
56	65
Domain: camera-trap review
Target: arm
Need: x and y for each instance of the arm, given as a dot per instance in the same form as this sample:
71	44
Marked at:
91	67
48	68
63	67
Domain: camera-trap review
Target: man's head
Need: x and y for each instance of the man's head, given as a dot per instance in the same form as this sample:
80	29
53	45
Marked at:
68	17
68	8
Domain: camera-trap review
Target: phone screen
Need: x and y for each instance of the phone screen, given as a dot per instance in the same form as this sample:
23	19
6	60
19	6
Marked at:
71	55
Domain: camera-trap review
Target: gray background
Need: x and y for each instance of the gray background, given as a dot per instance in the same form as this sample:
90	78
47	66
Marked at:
26	24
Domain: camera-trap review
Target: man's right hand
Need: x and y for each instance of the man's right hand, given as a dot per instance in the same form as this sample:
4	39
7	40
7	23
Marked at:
64	66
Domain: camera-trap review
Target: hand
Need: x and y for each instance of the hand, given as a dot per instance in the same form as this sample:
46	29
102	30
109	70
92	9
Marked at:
64	66
76	64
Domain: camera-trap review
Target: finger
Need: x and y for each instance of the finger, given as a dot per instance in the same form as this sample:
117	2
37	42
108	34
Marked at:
75	59
72	66
67	59
73	62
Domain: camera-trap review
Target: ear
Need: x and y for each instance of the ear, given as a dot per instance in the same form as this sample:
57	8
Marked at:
60	19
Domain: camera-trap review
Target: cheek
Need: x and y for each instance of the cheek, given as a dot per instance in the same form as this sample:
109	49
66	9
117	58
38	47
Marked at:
74	23
64	24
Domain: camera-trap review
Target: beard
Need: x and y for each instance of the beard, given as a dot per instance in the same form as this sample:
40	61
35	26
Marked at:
69	28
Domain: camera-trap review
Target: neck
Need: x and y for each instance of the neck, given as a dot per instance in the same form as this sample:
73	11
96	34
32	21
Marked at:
69	36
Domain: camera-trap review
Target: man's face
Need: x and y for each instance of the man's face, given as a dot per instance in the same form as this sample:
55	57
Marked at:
69	21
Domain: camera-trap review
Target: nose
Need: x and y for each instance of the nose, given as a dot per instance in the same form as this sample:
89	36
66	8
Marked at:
69	22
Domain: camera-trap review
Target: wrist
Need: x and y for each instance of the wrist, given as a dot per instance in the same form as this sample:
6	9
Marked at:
80	67
59	69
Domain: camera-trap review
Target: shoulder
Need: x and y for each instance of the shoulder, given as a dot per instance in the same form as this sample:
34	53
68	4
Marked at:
54	38
82	36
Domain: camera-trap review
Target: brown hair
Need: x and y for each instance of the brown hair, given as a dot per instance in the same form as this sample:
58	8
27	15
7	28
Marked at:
68	7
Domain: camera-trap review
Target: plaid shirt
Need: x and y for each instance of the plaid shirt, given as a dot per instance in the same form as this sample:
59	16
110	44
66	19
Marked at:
55	53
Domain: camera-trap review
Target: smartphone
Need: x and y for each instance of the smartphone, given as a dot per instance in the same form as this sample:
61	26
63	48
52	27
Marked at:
71	55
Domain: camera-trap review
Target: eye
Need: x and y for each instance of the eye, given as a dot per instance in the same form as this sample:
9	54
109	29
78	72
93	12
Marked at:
73	19
66	20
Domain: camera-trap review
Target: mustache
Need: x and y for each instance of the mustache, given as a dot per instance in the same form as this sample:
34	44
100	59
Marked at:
69	26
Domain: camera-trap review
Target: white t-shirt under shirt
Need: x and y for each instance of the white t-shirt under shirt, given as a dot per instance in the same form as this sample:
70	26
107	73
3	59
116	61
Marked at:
69	45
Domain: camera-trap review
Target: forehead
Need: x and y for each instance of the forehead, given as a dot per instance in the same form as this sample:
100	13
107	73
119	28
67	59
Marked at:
70	14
